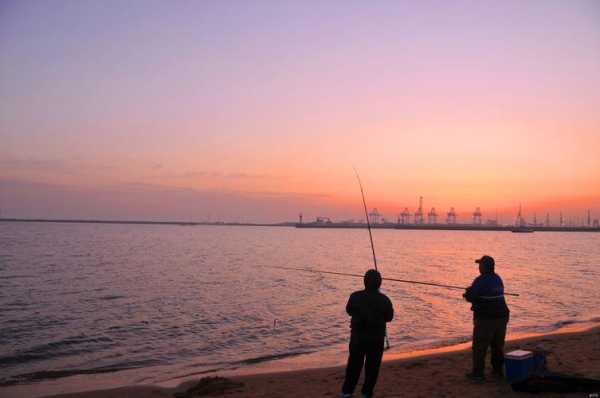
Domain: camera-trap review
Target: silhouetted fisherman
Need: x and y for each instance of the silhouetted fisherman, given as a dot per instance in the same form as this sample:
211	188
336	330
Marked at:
370	310
490	317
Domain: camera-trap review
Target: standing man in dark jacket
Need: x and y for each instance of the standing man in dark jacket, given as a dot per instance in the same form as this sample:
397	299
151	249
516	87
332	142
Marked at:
490	317
370	310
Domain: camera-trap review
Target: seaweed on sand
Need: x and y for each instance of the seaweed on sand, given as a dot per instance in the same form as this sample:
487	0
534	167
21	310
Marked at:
210	386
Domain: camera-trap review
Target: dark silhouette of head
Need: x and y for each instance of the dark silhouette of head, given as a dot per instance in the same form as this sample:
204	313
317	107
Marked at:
372	280
486	264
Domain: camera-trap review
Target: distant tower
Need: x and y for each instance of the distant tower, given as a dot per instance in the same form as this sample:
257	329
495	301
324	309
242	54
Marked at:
547	219
561	221
432	216
405	216
477	216
535	219
300	218
451	216
374	216
589	220
596	223
419	212
520	221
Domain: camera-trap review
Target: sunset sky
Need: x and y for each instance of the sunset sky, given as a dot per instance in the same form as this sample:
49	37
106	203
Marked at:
256	111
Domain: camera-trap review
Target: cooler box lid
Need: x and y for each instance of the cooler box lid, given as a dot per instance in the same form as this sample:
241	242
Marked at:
518	354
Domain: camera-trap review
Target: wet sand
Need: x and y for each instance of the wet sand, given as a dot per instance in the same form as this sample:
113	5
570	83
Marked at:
441	373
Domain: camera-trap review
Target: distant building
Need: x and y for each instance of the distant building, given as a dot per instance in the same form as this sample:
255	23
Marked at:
374	216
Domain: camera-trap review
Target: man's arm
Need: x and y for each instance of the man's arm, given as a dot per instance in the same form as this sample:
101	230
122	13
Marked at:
472	292
389	313
351	306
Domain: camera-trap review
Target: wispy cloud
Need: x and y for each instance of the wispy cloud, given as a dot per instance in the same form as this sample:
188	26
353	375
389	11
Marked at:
32	164
71	166
153	202
235	175
142	186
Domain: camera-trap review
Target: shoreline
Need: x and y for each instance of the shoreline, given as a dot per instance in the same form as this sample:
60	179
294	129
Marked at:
274	380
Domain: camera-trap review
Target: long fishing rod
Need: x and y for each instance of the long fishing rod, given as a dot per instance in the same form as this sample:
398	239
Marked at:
385	279
362	192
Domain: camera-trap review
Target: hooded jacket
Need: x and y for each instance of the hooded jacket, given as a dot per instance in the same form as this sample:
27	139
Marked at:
370	310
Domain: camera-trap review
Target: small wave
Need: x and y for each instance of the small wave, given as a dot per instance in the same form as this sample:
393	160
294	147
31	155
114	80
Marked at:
111	297
553	326
103	264
56	374
567	322
406	338
17	277
55	349
71	292
203	364
560	324
19	304
265	358
200	372
327	285
107	297
452	341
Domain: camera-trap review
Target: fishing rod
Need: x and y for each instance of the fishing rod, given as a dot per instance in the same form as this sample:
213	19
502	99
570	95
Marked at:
362	192
385	279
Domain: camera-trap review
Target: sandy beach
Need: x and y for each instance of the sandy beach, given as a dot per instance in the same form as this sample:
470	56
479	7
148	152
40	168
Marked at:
431	375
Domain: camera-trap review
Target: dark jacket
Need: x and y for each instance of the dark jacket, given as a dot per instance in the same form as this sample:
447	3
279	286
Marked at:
486	294
370	310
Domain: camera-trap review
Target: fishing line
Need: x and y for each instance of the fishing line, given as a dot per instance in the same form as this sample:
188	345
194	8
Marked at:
385	279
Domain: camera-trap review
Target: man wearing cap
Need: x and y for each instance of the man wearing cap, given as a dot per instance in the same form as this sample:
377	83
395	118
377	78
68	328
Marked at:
370	311
490	317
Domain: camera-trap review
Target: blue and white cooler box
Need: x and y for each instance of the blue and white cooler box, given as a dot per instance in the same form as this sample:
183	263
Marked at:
519	365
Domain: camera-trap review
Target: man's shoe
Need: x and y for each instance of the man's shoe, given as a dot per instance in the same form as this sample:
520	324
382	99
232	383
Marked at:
475	377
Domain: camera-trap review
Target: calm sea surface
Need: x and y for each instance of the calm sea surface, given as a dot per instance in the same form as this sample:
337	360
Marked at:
176	300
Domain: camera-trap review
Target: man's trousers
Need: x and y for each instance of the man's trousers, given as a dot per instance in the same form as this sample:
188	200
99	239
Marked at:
367	350
488	333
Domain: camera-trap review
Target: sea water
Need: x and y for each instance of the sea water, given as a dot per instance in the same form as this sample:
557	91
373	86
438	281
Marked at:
157	303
